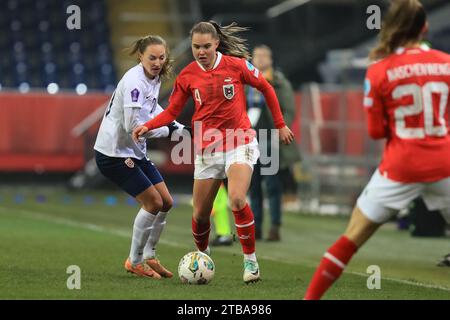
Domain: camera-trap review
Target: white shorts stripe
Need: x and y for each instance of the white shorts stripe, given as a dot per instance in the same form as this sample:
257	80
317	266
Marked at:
335	260
245	225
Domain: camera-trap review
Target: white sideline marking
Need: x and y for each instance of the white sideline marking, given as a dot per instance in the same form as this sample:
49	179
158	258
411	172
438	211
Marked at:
94	227
412	283
89	226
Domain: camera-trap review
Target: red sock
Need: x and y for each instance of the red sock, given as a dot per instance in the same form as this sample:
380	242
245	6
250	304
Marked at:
331	267
245	226
201	234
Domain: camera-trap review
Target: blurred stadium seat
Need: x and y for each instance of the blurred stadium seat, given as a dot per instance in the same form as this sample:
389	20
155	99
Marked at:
37	48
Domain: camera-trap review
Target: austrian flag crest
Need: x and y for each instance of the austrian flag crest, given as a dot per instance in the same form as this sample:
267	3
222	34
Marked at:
228	91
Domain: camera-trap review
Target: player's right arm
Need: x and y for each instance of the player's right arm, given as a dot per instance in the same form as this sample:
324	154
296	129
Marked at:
166	131
376	120
177	101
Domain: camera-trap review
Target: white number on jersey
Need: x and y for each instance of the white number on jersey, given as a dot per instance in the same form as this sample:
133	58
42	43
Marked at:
422	102
197	97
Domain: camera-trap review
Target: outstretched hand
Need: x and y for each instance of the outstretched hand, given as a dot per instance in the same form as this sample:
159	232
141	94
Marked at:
173	127
138	132
286	135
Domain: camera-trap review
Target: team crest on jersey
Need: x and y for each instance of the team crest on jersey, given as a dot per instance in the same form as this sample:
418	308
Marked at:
129	163
228	91
134	95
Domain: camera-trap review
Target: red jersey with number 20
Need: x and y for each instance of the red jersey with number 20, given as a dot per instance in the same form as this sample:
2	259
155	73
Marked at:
219	99
407	101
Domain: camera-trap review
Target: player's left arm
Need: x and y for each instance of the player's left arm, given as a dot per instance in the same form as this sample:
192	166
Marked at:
133	100
376	120
131	118
287	100
252	76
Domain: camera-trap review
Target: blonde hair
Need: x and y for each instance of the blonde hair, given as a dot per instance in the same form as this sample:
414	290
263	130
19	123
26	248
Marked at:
229	43
140	45
403	23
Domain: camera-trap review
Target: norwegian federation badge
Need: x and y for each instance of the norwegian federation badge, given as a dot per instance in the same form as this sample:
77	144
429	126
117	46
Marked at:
129	163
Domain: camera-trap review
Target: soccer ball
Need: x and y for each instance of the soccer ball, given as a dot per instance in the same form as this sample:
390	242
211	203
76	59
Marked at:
196	268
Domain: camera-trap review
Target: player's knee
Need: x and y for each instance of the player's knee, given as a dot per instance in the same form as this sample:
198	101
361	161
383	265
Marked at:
153	204
201	219
201	216
237	201
167	204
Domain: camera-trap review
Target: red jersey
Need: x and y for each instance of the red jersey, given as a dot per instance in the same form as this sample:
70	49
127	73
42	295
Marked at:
220	101
406	99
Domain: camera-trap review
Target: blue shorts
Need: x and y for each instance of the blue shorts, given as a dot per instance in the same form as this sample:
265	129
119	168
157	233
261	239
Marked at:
131	174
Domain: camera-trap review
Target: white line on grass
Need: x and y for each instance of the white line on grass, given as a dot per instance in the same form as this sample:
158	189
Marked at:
121	233
89	226
412	283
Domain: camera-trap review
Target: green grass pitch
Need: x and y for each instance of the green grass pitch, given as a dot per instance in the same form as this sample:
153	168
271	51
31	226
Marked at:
40	239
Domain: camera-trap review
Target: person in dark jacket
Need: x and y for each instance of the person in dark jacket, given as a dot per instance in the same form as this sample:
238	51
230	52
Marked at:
261	119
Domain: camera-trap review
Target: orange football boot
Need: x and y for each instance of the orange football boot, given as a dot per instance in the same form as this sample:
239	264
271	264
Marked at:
158	267
141	269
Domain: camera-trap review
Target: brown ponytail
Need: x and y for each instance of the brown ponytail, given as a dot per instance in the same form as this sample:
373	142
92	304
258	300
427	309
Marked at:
229	43
404	22
140	45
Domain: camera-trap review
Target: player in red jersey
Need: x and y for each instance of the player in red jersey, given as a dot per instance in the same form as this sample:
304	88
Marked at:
406	99
225	144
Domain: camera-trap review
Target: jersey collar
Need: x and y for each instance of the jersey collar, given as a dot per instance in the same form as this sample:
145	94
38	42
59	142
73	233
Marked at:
423	47
219	57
